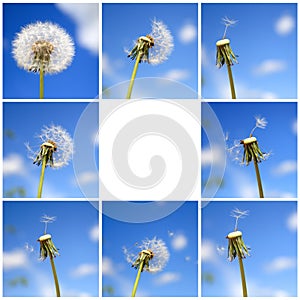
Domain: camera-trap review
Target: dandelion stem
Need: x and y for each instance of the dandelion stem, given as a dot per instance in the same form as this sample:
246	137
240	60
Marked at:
243	278
137	279
41	82
233	95
55	276
40	188
259	183
137	60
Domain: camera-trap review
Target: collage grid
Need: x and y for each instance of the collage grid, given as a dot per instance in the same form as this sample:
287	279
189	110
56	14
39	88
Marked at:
183	244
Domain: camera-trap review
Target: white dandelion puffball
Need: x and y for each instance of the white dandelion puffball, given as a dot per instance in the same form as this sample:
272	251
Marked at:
160	253
44	45
63	142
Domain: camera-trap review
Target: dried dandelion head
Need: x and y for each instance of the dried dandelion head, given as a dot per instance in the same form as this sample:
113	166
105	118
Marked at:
153	254
44	46
155	47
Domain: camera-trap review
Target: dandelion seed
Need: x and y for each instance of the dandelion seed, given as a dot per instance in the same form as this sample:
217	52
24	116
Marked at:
260	123
47	219
44	46
56	144
228	22
238	214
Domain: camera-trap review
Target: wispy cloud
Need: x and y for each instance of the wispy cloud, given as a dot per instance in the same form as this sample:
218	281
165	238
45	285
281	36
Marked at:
281	263
179	241
86	17
107	266
177	74
270	66
292	221
15	259
166	278
87	177
94	233
208	252
295	127
285	25
84	270
13	164
285	167
212	155
187	33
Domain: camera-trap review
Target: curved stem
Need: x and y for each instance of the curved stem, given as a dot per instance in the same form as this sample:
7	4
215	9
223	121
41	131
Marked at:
41	82
55	276
243	278
40	188
138	58
233	95
137	279
259	183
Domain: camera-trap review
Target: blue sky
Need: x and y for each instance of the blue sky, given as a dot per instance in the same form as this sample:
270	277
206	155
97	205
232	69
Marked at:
178	230
279	138
265	40
66	182
270	230
75	232
124	23
81	79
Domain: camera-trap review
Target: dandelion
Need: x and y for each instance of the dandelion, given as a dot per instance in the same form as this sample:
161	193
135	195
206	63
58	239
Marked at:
251	151
48	249
225	54
56	150
43	48
237	247
150	255
154	48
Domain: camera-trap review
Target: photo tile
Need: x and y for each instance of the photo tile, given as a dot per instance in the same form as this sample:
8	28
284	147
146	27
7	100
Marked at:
150	248
56	39
150	50
249	248
251	148
249	51
47	242
51	151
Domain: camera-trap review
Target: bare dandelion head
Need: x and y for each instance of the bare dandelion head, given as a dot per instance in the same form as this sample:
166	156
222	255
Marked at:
153	253
56	144
44	46
155	47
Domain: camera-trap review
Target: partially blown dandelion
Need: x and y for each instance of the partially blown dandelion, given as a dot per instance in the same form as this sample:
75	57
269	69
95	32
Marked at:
225	54
43	48
153	48
150	255
237	247
55	150
48	249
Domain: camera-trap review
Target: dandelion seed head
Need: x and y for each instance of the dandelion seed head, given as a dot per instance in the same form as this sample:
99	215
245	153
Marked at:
45	45
63	145
156	246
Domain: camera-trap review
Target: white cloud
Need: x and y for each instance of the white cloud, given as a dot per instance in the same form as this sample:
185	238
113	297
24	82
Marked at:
179	242
270	66
284	25
107	266
14	259
292	221
85	270
295	127
177	74
187	33
166	278
86	17
13	164
87	177
213	155
94	233
208	251
285	167
281	263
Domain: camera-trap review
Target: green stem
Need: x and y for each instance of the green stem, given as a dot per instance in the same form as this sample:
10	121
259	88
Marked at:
55	276
233	95
243	278
259	183
41	83
138	58
137	279
42	177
